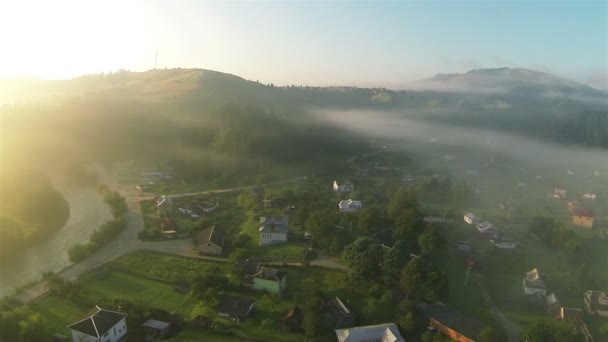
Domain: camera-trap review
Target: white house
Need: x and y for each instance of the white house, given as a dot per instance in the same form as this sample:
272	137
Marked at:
102	326
471	219
379	332
534	283
349	206
560	192
346	187
590	196
273	230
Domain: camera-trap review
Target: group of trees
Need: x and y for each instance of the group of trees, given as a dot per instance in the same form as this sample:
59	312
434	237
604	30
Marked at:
22	324
556	235
30	210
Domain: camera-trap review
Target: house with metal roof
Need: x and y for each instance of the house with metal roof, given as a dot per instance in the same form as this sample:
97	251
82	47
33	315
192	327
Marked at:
102	326
379	332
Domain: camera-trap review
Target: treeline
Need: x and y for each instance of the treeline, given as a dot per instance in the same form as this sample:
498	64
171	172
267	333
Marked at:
107	231
30	210
588	128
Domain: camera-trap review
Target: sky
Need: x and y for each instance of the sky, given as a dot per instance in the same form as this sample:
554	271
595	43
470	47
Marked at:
314	43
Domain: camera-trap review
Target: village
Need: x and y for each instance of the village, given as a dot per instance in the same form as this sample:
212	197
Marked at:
260	267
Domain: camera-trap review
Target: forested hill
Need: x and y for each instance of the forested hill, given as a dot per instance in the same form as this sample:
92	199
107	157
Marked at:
521	101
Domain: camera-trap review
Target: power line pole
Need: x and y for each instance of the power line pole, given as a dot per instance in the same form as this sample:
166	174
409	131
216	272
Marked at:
155	59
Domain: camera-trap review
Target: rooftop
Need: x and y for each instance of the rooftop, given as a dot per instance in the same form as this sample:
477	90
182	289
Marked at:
270	274
273	225
380	332
234	306
598	300
453	319
98	323
157	325
211	234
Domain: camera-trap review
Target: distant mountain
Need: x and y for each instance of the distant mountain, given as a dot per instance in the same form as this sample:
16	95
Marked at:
514	80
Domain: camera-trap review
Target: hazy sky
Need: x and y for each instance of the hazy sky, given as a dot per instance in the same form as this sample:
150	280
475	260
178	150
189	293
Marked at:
322	43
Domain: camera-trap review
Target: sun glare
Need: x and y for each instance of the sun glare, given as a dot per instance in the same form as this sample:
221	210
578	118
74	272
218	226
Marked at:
59	39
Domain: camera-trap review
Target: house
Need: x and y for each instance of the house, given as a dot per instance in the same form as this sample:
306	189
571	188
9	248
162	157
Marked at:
338	313
582	218
486	228
590	196
534	283
380	332
596	303
269	280
293	319
211	241
552	303
234	307
471	219
102	326
559	192
273	230
346	187
503	242
163	205
451	322
156	330
349	206
571	315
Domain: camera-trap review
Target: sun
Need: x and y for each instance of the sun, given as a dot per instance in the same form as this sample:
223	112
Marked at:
60	39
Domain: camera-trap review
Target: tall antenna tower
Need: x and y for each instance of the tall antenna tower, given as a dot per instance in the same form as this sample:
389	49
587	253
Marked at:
155	59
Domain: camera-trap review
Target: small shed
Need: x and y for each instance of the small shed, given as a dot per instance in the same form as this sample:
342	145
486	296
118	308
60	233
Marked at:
156	329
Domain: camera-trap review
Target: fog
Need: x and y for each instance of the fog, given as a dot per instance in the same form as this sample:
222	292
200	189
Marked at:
528	153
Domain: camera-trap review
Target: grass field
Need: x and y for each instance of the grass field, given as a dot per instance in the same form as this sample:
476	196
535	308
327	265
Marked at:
149	277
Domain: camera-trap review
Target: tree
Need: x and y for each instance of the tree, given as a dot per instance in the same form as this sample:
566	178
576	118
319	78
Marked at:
404	198
321	224
408	226
379	309
363	258
431	239
422	279
394	260
370	221
409	318
310	303
34	328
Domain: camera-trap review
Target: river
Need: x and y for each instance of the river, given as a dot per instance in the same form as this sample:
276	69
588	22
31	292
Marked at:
87	212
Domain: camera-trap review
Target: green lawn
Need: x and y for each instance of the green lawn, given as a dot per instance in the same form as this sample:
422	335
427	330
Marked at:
156	294
148	277
60	312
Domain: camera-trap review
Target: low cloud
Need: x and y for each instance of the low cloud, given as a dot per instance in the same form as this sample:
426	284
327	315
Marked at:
532	153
